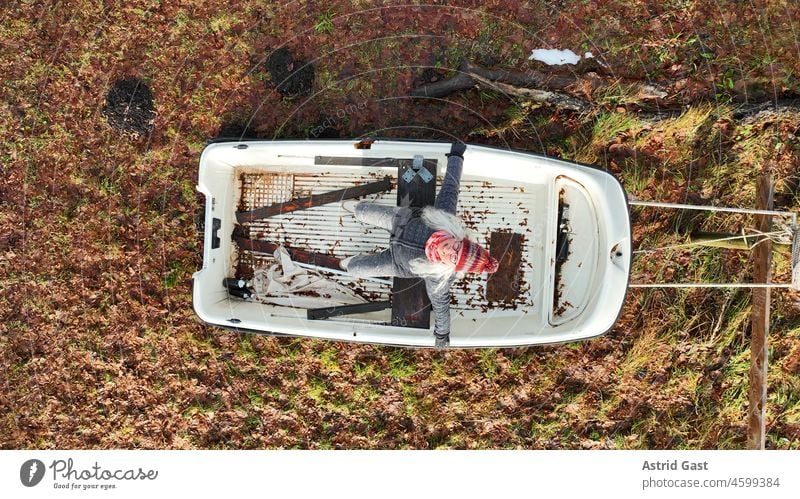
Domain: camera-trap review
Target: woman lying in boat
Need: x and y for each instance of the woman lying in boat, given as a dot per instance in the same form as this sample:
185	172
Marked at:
430	243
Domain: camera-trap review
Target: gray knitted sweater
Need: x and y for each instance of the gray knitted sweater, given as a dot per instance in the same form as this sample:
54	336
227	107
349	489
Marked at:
408	238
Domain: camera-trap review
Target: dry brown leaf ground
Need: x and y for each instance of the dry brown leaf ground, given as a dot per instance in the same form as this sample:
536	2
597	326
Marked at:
99	347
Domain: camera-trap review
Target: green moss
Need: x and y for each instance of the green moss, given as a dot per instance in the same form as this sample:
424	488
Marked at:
400	366
329	359
488	362
324	22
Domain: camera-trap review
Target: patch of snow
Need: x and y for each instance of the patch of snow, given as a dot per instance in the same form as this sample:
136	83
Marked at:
554	56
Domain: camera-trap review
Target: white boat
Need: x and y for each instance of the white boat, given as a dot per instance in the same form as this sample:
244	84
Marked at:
573	262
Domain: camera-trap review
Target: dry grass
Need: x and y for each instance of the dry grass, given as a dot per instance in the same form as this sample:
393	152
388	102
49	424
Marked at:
99	347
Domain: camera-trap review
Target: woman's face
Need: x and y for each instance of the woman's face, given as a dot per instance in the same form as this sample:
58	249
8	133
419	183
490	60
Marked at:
448	251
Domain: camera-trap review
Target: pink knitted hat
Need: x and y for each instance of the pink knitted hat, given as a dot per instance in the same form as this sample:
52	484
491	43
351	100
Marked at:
471	256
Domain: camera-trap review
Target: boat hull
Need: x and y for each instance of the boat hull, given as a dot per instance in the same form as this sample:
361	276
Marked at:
572	221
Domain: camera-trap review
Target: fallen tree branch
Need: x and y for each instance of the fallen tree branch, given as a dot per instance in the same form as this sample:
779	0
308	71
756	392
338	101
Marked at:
559	100
573	92
527	79
460	81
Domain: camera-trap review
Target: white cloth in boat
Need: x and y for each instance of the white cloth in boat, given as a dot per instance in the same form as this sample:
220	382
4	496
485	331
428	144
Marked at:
284	283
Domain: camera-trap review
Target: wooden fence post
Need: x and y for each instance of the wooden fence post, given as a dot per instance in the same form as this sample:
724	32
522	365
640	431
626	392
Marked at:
762	260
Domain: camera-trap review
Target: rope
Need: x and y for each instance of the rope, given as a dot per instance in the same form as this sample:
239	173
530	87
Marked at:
785	235
773	236
748	211
340	272
788	233
349	202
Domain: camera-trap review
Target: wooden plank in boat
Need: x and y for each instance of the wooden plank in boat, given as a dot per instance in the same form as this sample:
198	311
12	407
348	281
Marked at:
411	306
359	308
353	161
357	161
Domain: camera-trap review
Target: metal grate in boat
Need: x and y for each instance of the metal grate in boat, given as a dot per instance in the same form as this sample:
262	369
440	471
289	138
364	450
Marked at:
484	206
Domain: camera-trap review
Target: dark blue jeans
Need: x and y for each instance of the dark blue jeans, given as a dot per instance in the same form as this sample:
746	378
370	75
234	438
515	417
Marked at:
374	264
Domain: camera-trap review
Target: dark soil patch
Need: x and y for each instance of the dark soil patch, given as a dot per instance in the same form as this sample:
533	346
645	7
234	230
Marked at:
324	128
237	128
291	77
129	107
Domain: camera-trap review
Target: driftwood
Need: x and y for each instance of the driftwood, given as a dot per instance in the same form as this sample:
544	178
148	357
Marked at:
572	92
